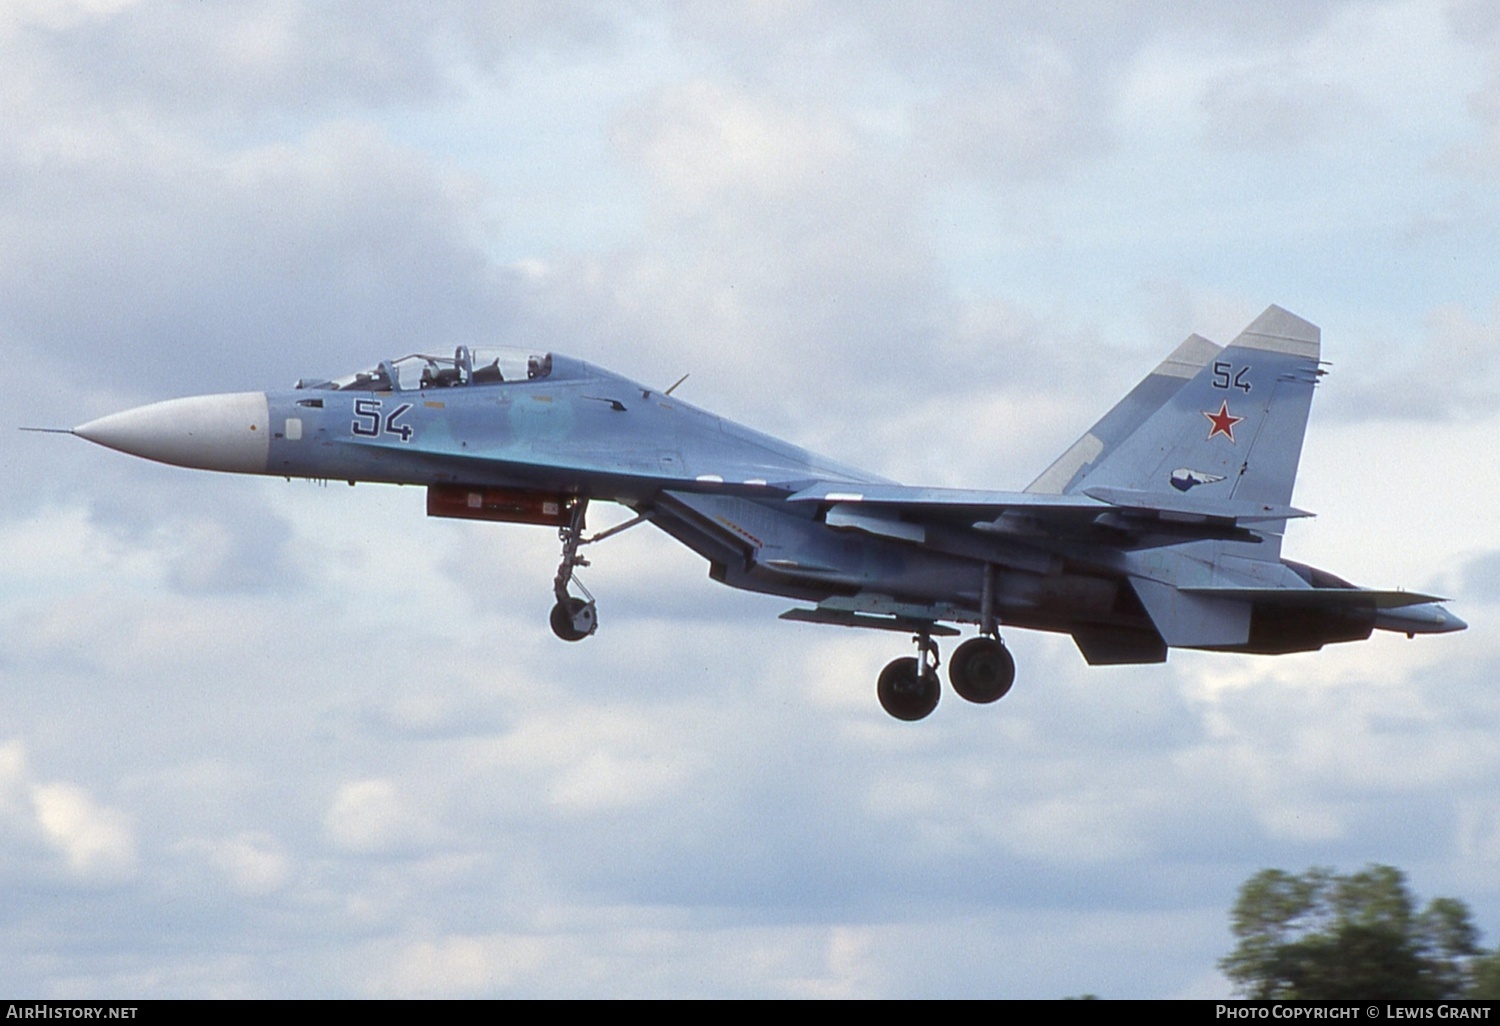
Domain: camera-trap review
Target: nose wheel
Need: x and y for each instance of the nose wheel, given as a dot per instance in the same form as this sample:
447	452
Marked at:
574	619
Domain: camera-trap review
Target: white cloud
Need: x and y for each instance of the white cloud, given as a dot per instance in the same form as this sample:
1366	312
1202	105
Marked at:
708	145
94	843
459	965
97	842
253	863
1451	371
1041	120
59	14
13	776
372	816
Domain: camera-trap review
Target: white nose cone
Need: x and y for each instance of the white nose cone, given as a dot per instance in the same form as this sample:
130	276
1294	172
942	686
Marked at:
208	432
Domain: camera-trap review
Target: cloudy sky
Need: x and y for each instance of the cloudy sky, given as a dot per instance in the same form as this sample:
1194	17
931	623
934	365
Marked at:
272	739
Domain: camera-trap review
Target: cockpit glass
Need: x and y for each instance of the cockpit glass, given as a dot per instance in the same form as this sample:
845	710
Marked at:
476	366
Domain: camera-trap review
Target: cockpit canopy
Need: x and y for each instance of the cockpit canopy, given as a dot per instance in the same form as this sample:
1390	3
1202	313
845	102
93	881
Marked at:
487	365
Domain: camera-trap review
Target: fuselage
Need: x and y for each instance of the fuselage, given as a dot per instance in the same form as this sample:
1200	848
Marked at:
1161	527
554	426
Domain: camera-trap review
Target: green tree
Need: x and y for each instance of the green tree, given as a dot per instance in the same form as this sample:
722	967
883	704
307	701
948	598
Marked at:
1486	978
1325	936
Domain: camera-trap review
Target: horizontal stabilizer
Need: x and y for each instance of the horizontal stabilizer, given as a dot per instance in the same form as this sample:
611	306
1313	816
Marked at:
1318	598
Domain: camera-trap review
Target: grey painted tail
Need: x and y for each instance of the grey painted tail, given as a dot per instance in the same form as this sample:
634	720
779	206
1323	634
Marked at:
1232	431
1128	414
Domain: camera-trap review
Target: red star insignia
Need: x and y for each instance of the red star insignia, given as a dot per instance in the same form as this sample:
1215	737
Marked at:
1223	422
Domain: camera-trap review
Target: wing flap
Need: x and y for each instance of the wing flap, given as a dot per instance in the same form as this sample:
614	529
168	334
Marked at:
1128	509
966	501
1184	505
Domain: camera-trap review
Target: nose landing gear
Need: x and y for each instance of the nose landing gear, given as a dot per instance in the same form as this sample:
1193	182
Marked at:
574	618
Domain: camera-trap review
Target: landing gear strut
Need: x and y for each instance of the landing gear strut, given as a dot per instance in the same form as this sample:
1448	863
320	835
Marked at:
573	619
982	669
908	688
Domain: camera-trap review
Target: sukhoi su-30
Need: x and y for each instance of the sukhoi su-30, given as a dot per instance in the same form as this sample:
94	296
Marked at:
1160	528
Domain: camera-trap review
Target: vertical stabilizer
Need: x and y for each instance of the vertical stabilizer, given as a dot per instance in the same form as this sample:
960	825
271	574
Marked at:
1128	414
1234	431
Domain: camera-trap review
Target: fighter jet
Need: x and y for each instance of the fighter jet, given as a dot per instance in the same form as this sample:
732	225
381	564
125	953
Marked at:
1161	527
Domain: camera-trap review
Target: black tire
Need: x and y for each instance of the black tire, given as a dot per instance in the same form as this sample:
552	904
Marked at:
905	694
562	620
981	670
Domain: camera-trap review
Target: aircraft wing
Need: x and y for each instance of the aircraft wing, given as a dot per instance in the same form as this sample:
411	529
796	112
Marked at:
1131	510
952	502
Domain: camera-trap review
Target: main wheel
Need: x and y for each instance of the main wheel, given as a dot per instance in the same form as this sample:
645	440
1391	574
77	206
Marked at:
905	693
981	670
574	619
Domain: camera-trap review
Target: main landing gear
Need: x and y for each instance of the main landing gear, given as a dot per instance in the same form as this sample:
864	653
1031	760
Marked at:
981	671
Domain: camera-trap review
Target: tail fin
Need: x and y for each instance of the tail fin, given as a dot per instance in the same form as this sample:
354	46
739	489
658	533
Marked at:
1127	415
1232	432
